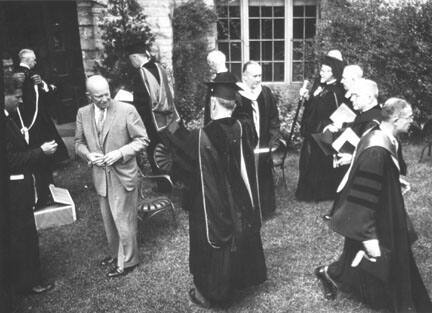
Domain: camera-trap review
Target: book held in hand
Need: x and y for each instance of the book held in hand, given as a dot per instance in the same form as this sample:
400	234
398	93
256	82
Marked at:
343	114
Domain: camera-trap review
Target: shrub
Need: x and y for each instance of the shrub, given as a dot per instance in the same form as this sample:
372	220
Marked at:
192	21
393	44
123	23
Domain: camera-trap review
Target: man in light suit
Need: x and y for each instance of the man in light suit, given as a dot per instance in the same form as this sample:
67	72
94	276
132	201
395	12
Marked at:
109	134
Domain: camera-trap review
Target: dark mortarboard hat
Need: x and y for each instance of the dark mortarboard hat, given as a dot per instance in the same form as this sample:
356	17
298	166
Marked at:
224	86
336	65
136	47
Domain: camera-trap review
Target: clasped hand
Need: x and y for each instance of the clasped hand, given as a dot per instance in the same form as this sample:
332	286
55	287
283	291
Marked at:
108	159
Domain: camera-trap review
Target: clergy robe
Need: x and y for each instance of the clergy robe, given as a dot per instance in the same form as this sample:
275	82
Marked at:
22	161
224	218
35	117
268	137
371	206
317	177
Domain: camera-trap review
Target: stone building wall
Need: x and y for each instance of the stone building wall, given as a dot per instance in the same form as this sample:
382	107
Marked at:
91	43
159	15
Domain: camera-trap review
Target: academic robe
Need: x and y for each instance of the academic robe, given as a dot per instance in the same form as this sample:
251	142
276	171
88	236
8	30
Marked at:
153	99
371	206
224	218
318	179
269	135
22	161
228	76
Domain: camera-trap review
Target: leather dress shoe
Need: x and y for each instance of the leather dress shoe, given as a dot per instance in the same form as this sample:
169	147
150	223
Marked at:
117	271
108	261
38	289
329	288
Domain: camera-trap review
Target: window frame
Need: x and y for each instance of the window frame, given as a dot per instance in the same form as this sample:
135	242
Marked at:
288	36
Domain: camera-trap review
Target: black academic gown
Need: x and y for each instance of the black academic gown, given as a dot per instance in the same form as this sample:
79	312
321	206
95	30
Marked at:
224	222
268	137
371	206
22	160
318	179
143	103
43	130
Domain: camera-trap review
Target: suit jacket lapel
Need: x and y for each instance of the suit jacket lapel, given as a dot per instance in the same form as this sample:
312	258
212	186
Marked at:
110	115
15	130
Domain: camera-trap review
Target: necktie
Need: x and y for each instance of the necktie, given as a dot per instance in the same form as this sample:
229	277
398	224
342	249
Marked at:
100	121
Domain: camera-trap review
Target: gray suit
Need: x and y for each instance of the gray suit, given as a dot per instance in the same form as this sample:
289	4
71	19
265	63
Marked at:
115	185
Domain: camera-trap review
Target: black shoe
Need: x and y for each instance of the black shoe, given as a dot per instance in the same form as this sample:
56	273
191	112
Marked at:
38	289
108	261
329	288
117	272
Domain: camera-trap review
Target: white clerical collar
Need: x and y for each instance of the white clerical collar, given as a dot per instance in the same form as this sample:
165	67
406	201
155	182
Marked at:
331	82
6	112
25	65
251	94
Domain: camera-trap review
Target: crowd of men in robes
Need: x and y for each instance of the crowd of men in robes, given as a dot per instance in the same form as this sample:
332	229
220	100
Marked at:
226	167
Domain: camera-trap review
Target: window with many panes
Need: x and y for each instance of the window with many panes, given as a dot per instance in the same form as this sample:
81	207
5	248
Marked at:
276	33
229	33
304	28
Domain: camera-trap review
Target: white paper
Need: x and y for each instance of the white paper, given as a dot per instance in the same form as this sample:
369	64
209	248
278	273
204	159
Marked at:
343	114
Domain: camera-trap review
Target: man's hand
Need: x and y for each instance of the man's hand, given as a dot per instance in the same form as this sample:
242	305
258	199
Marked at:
37	80
96	158
404	185
331	128
343	159
111	157
304	93
372	248
49	147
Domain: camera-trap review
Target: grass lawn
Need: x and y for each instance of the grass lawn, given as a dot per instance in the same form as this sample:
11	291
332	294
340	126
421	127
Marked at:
295	242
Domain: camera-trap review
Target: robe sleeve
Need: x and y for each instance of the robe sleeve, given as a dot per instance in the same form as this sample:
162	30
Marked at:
355	213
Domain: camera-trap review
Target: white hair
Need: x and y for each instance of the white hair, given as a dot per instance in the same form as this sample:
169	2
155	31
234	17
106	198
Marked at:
216	57
367	86
354	70
24	53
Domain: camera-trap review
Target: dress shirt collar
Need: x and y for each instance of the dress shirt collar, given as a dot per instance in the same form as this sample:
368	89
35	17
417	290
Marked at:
6	112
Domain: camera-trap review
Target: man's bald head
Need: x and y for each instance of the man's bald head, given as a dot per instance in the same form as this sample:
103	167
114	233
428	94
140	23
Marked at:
98	90
252	74
364	94
350	75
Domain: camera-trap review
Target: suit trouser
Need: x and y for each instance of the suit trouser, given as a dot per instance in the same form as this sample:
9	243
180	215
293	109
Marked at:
119	214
